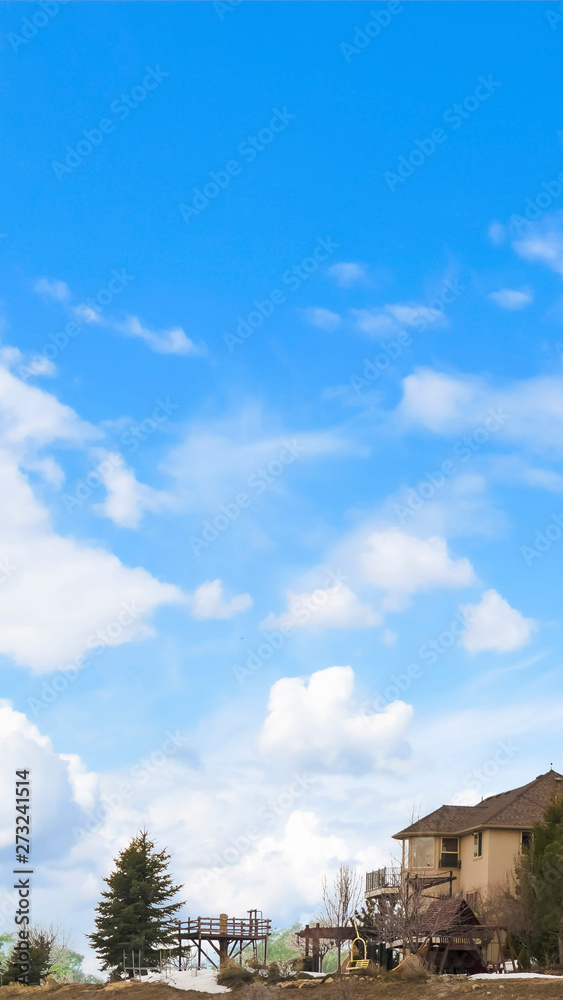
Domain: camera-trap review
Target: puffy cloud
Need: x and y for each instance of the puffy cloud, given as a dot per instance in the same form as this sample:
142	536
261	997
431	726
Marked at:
512	298
525	411
172	341
400	563
58	291
495	626
60	598
348	274
323	318
127	499
327	607
64	598
437	401
28	414
208	601
23	747
319	722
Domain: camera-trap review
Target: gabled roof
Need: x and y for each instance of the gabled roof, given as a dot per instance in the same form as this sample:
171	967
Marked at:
521	807
451	911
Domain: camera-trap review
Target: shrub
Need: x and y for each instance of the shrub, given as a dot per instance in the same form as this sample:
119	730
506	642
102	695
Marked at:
234	976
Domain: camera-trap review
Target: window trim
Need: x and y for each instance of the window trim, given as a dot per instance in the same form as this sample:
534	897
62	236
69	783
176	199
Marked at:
411	854
477	844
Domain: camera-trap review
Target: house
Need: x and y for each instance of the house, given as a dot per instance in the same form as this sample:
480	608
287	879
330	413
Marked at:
466	850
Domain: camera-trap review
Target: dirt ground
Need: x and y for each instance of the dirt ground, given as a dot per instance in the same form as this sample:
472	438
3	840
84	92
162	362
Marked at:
435	988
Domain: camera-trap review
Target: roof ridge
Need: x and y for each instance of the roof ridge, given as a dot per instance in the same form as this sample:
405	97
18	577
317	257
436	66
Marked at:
518	792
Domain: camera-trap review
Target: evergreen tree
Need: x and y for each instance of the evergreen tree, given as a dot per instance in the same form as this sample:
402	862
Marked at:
39	949
539	886
135	912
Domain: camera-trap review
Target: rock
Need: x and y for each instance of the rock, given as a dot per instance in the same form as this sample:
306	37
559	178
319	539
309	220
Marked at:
410	966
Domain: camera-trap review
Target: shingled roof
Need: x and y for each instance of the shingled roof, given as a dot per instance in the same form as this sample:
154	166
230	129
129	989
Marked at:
520	808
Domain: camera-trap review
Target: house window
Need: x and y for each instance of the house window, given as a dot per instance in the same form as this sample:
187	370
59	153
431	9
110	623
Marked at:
422	852
478	845
450	856
526	840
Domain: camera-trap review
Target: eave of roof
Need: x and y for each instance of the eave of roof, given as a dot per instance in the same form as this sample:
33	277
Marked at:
516	809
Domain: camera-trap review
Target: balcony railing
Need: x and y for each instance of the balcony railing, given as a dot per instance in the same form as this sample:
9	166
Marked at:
450	861
383	878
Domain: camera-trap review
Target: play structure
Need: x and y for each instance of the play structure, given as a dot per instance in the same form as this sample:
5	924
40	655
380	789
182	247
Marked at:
227	937
312	937
360	946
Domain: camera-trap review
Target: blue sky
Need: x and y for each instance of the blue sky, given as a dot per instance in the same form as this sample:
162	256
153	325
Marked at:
281	379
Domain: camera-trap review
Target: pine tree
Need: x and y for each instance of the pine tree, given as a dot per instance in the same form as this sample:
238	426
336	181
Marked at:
539	885
40	945
135	912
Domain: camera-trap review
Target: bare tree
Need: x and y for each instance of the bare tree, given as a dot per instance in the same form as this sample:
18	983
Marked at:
339	903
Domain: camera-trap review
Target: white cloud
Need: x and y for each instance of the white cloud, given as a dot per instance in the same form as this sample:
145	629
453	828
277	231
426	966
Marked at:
28	414
404	564
512	298
495	626
208	602
87	314
320	723
392	318
127	499
36	364
58	291
526	411
22	746
327	607
543	242
62	597
348	274
172	341
323	318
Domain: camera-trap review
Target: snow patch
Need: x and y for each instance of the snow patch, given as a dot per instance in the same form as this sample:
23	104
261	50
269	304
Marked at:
202	980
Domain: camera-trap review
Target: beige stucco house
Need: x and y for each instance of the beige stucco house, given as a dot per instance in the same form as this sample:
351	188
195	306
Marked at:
468	849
